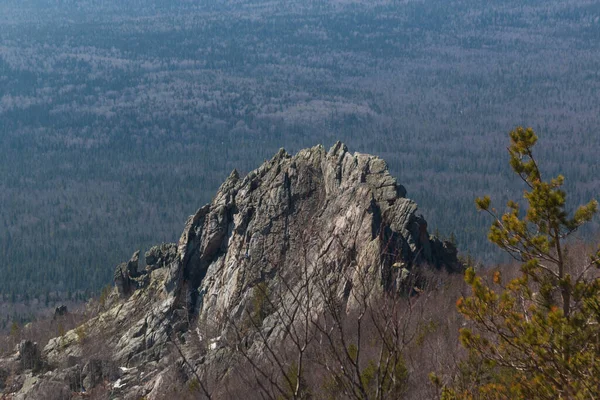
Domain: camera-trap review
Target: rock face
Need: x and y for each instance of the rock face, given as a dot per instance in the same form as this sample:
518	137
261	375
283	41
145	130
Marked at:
330	211
328	207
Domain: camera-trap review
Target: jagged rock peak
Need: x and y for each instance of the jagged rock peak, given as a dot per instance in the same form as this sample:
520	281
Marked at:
255	227
335	212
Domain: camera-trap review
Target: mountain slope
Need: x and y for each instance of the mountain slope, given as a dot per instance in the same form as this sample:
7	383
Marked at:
319	216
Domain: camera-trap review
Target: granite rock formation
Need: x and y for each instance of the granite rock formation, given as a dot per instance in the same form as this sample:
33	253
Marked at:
322	210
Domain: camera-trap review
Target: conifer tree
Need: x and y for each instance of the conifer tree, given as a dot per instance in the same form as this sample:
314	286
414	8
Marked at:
536	336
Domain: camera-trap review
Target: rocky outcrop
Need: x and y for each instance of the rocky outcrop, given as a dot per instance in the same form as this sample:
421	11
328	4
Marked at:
333	211
160	256
127	276
60	311
29	356
331	207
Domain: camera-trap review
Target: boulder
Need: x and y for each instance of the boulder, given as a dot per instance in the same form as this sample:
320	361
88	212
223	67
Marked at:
49	390
60	311
96	371
160	256
125	273
29	356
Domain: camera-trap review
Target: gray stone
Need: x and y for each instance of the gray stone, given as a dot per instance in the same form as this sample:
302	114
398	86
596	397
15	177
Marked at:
72	377
333	212
95	371
125	275
160	256
49	390
30	356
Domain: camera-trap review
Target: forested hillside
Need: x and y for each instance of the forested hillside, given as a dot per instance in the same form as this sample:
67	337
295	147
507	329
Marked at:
118	119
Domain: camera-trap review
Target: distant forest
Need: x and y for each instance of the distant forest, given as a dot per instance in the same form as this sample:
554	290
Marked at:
120	118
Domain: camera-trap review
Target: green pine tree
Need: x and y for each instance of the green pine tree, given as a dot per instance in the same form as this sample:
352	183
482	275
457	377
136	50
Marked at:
536	336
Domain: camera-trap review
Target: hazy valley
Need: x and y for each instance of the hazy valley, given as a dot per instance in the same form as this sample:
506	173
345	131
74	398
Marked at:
119	119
